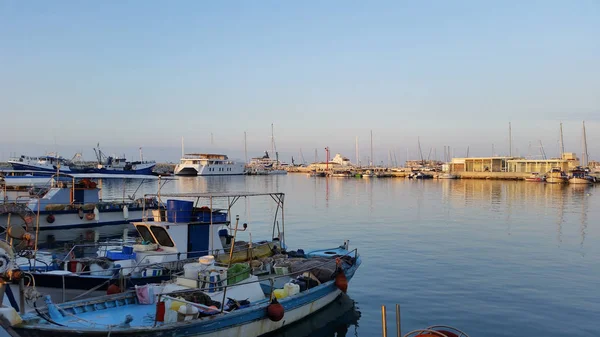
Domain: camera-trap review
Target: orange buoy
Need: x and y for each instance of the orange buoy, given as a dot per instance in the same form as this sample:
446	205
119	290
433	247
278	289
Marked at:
340	279
160	311
113	289
90	216
275	310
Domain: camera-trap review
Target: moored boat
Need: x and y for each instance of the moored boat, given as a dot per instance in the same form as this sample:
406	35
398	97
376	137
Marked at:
556	176
260	299
580	176
208	164
535	177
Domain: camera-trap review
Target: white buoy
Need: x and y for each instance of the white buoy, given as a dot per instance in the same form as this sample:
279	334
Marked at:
125	232
125	212
96	236
96	214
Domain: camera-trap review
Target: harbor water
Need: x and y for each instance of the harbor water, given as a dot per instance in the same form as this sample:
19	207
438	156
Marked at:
493	258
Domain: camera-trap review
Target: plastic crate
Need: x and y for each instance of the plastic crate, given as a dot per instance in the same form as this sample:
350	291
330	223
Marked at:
238	272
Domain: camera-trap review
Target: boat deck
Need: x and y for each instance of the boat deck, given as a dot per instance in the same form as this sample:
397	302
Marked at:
143	315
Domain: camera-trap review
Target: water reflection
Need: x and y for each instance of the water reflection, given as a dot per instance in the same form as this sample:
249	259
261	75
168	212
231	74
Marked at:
340	319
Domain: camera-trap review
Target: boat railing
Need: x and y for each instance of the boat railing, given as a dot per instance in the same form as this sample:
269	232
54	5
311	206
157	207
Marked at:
271	279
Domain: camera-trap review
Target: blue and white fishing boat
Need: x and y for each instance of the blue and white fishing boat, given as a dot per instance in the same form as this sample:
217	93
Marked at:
71	206
180	236
119	165
50	162
210	299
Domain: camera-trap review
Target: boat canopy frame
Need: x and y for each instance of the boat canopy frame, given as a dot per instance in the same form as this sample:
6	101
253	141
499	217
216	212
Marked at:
232	198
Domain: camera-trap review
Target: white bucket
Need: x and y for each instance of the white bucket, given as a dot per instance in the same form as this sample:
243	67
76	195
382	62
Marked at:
191	270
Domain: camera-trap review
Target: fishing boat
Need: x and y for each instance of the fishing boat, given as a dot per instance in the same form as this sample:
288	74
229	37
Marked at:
556	176
208	164
535	177
211	298
368	174
186	233
71	206
116	165
51	162
580	176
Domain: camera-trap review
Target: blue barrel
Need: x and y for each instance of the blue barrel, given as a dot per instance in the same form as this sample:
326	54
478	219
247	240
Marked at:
179	210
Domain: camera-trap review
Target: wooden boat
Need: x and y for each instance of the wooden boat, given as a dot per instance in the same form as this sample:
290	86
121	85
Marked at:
194	304
580	176
556	176
535	177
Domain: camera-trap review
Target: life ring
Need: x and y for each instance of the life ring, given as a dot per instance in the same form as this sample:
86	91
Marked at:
90	216
50	218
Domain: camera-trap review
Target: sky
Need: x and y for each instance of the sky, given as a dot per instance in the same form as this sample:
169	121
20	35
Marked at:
131	74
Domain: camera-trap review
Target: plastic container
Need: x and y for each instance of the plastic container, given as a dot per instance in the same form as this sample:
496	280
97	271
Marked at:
238	272
207	260
128	250
191	270
186	313
280	293
179	210
291	288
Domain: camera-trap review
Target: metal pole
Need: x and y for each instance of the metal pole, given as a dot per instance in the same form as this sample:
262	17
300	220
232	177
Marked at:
22	295
383	321
63	290
398	330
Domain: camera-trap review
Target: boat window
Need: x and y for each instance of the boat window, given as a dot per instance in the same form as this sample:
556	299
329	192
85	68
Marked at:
145	233
164	239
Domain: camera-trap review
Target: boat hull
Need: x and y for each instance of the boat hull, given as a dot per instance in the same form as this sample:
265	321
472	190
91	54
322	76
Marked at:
249	322
580	181
554	180
69	226
89	282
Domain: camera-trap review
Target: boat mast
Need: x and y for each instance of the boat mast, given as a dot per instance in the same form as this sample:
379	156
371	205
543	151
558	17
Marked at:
245	148
357	157
562	143
509	140
420	151
584	157
141	155
372	161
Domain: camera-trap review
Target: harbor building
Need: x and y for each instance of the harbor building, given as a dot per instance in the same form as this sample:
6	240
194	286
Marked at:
568	161
480	164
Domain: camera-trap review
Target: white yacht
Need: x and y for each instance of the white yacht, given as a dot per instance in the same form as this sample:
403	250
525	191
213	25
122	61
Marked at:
208	164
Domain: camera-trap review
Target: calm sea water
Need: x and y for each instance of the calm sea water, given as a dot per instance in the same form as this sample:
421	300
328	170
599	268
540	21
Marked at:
490	257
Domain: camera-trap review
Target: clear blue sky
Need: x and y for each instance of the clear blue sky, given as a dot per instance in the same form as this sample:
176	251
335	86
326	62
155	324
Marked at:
145	73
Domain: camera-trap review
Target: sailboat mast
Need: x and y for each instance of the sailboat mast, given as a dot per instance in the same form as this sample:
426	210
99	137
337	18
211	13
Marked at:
372	161
272	141
357	157
584	157
562	143
245	148
509	140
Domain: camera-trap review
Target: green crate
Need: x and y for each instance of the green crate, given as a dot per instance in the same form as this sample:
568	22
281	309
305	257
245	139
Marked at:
238	272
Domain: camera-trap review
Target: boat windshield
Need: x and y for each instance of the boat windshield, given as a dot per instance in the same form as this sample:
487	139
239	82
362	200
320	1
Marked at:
145	233
164	239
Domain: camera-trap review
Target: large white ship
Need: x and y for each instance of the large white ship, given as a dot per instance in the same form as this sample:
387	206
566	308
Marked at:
208	164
